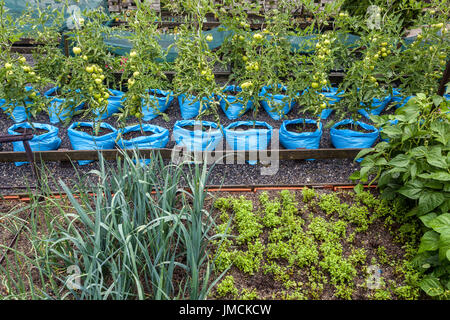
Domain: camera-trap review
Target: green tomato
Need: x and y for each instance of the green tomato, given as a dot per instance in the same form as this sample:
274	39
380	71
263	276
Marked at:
76	50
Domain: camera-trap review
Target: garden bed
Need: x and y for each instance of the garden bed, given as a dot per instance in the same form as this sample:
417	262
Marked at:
302	244
313	245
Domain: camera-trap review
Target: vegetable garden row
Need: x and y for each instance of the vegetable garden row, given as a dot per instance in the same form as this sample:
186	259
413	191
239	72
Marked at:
390	110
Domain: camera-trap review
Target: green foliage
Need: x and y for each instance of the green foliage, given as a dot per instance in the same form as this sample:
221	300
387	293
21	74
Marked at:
143	69
308	194
330	203
227	288
249	261
409	10
414	165
16	72
247	223
317	248
126	243
248	294
272	209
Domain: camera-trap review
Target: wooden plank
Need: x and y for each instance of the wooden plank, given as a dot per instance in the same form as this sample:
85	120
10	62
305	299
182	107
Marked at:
13	138
299	154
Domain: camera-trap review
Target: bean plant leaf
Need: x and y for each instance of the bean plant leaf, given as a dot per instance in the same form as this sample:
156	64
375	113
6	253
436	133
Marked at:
432	286
359	188
363	152
444	245
400	160
441	176
441	133
429	241
426	219
441	223
429	200
412	189
435	158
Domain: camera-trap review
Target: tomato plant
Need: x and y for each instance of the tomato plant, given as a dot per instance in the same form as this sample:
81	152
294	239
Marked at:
144	67
16	73
372	76
89	68
195	62
423	61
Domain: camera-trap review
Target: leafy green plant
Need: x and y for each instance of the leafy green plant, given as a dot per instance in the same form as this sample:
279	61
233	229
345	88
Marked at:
423	61
226	287
370	77
195	62
88	72
414	165
16	73
143	69
126	242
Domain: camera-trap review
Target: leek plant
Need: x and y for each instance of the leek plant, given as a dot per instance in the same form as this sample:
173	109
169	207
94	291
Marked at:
136	234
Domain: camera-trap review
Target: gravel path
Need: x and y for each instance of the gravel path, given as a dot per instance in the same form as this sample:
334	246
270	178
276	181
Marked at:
288	171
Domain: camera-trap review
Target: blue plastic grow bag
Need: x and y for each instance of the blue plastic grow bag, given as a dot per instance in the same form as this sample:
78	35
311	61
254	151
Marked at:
271	102
19	113
398	100
189	108
158	139
43	142
232	106
344	138
55	111
114	105
297	140
161	103
333	96
83	141
377	107
248	140
197	140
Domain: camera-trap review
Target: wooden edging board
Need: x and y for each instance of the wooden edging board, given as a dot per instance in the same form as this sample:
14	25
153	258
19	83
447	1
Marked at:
176	153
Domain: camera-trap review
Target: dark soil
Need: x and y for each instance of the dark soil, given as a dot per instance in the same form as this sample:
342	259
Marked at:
196	128
158	95
299	128
135	134
36	131
246	127
356	127
90	130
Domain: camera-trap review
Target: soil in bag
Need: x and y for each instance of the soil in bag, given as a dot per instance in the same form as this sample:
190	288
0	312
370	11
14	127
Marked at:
158	95
204	128
353	127
36	131
90	130
135	134
243	127
300	127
